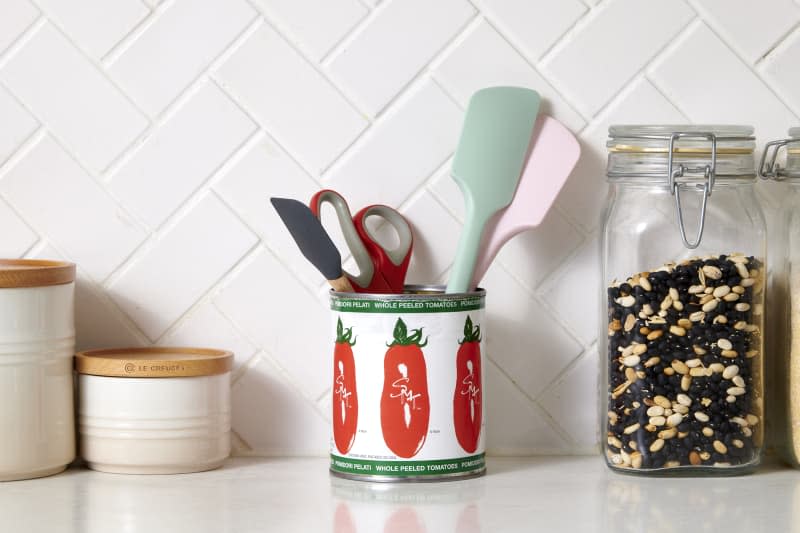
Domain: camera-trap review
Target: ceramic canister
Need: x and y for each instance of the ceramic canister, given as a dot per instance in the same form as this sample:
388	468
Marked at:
407	388
154	410
37	341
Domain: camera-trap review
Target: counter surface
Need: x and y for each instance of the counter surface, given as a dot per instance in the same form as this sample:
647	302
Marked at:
547	494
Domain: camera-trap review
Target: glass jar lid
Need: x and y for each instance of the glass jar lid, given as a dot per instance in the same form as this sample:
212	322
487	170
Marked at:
681	157
645	152
771	168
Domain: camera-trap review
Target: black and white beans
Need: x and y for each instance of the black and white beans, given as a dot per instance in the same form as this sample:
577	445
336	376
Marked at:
684	365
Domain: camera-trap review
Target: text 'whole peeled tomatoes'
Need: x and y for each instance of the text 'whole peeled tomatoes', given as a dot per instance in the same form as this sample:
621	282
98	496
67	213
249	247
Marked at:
405	404
345	396
468	397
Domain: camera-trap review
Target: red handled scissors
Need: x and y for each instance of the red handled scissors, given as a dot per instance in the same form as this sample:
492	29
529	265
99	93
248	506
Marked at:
381	270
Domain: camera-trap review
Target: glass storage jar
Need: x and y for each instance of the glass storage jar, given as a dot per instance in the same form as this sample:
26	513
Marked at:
683	251
781	162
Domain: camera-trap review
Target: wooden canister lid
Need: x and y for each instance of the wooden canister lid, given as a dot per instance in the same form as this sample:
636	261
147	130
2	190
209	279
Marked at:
35	273
154	362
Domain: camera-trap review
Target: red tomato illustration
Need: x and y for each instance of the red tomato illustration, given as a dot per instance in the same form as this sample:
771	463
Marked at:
468	397
405	404
345	397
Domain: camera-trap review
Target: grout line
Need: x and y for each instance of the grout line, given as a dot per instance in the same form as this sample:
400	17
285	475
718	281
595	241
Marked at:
693	27
508	34
589	351
97	66
711	21
37	244
24	148
104	296
319	70
566	438
289	381
531	402
540	69
314	176
778	44
246	366
239	446
354	32
23	39
425	70
123	45
209	293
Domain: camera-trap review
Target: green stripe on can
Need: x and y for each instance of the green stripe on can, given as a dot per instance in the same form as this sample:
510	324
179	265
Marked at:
439	467
361	305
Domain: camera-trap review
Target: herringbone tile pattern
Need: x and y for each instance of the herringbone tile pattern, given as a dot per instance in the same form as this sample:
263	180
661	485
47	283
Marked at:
141	139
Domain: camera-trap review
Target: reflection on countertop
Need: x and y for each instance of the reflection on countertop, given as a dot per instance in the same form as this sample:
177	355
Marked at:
548	494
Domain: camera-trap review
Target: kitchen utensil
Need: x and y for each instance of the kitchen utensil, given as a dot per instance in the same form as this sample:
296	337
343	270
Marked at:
554	152
381	270
391	264
313	241
487	165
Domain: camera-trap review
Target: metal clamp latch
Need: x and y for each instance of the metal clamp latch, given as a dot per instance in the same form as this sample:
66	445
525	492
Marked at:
769	168
709	172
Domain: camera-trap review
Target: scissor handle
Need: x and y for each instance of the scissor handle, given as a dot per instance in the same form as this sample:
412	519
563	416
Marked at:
392	264
363	258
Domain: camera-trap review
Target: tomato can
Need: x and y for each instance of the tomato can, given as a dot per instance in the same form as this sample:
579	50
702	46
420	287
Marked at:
407	385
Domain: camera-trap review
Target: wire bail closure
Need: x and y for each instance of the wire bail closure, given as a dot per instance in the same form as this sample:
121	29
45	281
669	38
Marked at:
709	172
769	168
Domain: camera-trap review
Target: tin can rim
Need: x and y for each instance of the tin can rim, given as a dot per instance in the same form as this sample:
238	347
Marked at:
412	292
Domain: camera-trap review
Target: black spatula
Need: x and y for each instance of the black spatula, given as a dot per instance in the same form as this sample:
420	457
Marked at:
313	241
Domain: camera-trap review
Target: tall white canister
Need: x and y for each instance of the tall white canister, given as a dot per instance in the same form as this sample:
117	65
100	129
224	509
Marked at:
37	344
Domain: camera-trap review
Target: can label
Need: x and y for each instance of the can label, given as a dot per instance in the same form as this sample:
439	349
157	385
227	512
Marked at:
407	391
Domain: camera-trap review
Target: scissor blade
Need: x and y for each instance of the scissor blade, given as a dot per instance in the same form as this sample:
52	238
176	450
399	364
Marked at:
309	234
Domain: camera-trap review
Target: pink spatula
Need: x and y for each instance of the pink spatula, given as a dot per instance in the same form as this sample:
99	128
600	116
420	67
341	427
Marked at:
553	154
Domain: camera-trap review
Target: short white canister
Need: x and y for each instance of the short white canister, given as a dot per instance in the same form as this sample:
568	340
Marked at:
37	342
154	410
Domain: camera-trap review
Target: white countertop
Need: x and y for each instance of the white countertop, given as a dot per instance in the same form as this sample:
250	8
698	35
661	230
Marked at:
543	494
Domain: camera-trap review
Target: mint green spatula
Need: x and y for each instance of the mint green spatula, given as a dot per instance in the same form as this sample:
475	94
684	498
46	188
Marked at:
487	165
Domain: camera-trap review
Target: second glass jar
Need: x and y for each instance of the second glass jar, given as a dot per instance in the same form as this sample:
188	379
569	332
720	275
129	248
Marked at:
683	252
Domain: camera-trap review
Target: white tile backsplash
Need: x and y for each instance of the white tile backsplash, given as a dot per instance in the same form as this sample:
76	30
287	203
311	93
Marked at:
316	26
394	46
165	280
523	336
750	28
291	99
76	100
65	205
177	48
18	15
727	95
485	58
780	70
523	21
426	125
79	18
18	237
279	314
181	154
143	139
608	50
18	124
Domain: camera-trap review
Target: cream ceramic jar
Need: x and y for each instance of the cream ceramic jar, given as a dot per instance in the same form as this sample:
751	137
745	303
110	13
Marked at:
37	341
154	410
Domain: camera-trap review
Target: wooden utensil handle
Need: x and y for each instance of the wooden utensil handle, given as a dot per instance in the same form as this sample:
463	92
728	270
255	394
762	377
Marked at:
341	284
